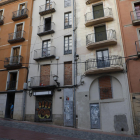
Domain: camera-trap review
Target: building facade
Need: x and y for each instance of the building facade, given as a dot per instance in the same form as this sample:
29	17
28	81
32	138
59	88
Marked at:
102	96
129	17
51	55
15	36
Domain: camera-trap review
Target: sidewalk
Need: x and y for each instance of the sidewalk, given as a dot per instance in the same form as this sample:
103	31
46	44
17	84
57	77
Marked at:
19	130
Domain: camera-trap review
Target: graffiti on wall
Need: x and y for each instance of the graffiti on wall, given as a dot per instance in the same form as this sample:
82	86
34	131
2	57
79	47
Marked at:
44	109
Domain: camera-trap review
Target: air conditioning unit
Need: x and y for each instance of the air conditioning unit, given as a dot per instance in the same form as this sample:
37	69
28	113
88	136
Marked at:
25	86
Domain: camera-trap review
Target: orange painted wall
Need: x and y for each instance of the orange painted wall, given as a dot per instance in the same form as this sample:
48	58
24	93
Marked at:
5	47
129	36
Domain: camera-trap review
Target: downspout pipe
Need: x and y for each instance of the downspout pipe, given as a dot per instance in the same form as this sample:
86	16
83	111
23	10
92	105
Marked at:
74	54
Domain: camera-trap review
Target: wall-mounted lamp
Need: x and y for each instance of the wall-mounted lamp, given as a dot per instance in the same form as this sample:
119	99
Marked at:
55	78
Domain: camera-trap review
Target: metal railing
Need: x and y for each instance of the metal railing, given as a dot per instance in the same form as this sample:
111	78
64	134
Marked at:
44	52
100	36
98	14
14	60
21	12
11	85
103	62
41	81
2	18
137	44
135	15
46	27
17	35
47	6
68	79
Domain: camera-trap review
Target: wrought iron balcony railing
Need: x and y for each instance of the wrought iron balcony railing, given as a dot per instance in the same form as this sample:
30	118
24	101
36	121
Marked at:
44	53
107	12
47	8
20	14
13	62
103	62
2	20
11	85
137	44
16	37
101	36
46	29
42	81
135	17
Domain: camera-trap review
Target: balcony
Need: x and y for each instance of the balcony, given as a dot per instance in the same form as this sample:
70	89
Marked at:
16	37
20	14
13	62
135	17
91	1
11	85
104	65
46	29
42	82
101	39
137	44
44	53
2	20
3	2
98	17
47	8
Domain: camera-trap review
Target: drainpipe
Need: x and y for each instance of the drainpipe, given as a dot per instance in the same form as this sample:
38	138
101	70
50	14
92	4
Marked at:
74	54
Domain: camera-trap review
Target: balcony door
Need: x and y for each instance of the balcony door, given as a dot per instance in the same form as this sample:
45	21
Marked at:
100	33
18	32
1	14
46	48
11	85
15	56
22	9
48	4
98	11
47	26
103	59
137	9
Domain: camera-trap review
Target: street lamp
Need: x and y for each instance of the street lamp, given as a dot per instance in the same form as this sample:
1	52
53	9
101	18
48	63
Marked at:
55	78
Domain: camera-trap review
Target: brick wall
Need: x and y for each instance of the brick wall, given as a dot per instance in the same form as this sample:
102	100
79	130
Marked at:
105	87
45	75
68	73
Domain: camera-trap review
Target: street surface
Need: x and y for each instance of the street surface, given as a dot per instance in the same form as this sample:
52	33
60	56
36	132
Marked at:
19	130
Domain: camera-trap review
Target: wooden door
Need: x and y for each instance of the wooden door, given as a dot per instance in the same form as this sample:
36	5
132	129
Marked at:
45	75
98	11
19	31
100	33
15	57
137	9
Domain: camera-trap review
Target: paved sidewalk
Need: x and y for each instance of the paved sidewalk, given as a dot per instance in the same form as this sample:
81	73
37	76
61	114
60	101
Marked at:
18	130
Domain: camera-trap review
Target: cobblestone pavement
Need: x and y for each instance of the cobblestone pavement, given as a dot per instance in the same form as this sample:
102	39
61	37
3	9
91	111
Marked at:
16	130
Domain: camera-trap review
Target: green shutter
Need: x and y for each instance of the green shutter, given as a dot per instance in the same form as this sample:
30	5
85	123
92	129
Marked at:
100	33
98	11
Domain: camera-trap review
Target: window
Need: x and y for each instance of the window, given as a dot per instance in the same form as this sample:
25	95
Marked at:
12	81
48	4
22	9
105	87
18	31
98	11
102	59
100	33
15	58
67	3
137	9
68	20
47	26
46	48
68	45
68	73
